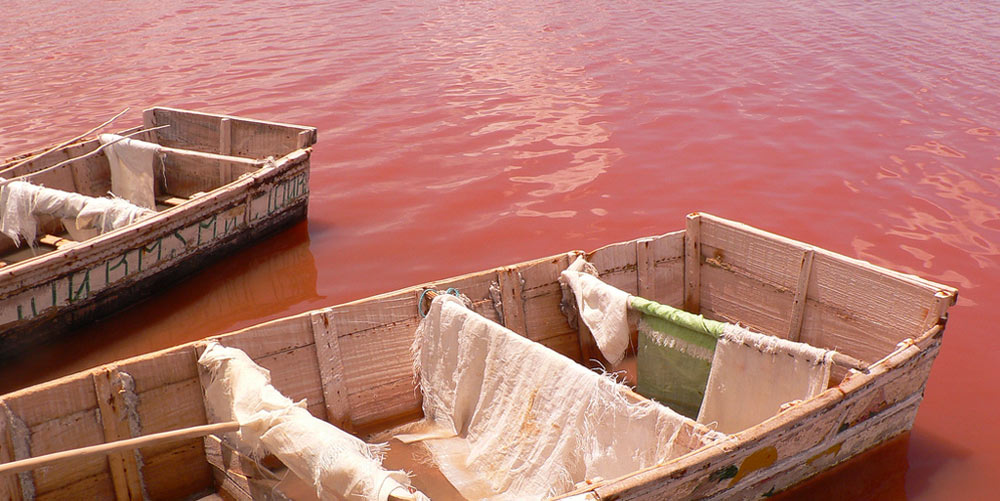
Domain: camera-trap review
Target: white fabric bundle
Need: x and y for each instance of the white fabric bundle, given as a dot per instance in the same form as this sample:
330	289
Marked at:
16	200
754	374
337	464
131	164
22	202
516	420
602	307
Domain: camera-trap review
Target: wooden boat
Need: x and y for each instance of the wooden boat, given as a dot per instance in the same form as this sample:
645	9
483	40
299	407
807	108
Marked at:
352	366
219	182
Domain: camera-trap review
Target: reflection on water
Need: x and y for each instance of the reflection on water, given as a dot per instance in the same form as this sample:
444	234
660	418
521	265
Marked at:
269	280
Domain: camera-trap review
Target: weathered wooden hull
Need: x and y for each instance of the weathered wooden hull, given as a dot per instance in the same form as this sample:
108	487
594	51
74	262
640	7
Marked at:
351	364
65	288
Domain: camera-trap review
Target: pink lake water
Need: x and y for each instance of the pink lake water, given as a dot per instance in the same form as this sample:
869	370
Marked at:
459	135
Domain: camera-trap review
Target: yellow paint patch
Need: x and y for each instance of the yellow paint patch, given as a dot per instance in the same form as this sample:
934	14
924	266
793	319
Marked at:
761	458
834	449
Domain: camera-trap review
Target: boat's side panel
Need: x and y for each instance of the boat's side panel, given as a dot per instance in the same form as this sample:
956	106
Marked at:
666	256
119	268
286	348
212	133
374	337
789	289
162	393
51	418
540	297
842	422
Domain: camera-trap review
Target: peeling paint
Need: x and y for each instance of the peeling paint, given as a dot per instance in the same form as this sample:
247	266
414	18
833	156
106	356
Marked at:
761	458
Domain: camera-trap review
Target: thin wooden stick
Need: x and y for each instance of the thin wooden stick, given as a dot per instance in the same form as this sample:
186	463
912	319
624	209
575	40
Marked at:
71	141
118	446
81	157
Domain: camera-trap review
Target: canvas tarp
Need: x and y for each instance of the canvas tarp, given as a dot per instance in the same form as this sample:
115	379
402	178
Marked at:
512	419
337	464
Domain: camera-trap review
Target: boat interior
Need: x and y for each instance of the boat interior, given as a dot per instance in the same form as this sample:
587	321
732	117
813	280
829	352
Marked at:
352	366
195	154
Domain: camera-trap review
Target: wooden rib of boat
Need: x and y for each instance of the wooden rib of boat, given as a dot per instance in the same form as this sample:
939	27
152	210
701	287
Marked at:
352	365
220	182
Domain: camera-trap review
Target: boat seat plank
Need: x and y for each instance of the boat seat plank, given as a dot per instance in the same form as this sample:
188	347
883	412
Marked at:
56	241
171	200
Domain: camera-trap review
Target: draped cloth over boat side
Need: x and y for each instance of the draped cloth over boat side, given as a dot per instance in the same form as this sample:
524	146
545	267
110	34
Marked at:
602	307
754	374
337	464
131	162
512	419
23	203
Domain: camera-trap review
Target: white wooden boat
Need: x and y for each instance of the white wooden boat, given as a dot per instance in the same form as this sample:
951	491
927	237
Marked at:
352	366
217	183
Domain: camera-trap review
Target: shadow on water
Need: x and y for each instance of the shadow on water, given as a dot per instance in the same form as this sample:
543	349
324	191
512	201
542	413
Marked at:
274	277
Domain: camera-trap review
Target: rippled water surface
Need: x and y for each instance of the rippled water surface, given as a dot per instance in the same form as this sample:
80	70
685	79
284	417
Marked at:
457	136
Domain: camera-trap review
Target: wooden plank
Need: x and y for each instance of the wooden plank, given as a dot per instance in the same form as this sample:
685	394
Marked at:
772	261
249	138
14	445
511	289
79	429
734	297
645	268
801	291
862	312
295	374
566	344
258	139
116	399
331	370
62	178
538	302
177	469
692	263
9	485
269	338
378	368
225	148
170	200
668	258
53	400
93	487
177	472
616	265
162	368
188	172
55	241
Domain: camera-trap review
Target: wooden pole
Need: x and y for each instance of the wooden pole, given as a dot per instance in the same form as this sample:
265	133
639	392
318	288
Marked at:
75	139
118	446
85	155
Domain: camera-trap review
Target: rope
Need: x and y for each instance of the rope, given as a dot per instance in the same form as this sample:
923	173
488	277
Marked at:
434	293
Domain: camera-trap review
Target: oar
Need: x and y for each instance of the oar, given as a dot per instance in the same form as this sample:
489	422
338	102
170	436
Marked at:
117	446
